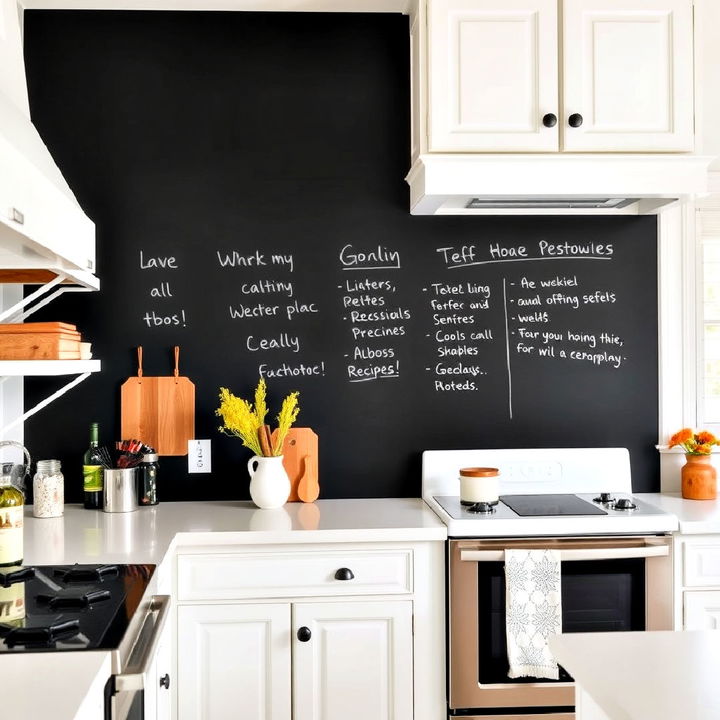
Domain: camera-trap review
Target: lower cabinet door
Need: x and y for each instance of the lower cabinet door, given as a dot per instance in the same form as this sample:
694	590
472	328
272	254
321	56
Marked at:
702	610
234	662
352	660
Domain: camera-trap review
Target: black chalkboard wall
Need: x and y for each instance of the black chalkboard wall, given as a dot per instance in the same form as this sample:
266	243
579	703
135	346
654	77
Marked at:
245	172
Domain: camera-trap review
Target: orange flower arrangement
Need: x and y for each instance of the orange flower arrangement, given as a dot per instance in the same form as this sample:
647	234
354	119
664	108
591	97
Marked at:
694	443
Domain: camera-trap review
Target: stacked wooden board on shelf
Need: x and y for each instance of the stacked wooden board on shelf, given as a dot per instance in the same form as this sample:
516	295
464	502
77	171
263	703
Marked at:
39	341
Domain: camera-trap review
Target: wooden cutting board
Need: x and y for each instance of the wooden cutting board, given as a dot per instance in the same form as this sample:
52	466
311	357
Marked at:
160	411
300	460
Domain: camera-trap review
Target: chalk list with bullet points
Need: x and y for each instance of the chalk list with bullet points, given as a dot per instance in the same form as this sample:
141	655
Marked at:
493	317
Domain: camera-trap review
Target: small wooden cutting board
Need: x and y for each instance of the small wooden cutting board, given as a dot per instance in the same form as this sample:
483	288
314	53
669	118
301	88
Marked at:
300	460
160	411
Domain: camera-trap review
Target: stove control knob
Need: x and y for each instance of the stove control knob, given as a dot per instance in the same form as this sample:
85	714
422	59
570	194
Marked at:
625	504
605	498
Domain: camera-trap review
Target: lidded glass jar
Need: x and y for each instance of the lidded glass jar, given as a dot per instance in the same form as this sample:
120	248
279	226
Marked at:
147	479
479	484
48	489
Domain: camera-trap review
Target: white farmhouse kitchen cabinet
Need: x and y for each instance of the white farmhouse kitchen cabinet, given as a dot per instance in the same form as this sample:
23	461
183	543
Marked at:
544	76
697	582
311	632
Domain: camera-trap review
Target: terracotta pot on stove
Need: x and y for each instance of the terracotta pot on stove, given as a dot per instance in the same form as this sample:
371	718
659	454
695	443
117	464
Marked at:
479	484
699	478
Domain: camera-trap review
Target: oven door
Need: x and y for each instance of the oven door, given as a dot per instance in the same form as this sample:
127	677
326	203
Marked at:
130	695
607	584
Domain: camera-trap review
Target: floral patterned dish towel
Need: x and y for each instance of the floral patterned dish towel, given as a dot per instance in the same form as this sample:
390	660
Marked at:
532	611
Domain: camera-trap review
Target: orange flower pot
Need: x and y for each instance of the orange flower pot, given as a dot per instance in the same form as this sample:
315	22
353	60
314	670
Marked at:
699	478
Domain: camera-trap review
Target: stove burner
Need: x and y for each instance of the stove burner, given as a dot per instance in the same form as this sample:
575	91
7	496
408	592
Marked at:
625	504
78	574
69	601
482	508
16	576
40	636
605	499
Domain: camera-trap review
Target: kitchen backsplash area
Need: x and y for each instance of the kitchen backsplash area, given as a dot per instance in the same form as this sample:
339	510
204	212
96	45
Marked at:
245	174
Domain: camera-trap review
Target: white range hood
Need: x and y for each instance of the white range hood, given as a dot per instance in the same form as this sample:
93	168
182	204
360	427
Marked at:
517	184
42	226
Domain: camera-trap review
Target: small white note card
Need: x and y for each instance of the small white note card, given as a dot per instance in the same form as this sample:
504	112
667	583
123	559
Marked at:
199	458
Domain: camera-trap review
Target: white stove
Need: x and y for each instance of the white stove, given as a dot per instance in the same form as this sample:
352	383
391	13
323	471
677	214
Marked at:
543	492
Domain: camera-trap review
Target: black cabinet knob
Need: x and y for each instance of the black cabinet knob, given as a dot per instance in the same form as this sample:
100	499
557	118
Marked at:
344	574
165	681
575	120
550	120
304	634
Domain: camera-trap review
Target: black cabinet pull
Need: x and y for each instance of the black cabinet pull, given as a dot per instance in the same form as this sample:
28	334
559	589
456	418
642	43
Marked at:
304	634
550	120
165	681
344	574
575	120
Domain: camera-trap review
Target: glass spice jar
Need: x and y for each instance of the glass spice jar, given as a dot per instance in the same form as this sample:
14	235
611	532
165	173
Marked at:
147	480
48	490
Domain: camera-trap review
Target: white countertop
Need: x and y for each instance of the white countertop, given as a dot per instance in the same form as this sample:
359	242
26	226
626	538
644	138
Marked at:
145	535
641	675
694	516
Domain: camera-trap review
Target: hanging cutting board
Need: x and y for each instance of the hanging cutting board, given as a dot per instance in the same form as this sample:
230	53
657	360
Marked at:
160	411
300	460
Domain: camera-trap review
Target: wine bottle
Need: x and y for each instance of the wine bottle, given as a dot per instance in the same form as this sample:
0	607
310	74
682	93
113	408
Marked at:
11	523
93	472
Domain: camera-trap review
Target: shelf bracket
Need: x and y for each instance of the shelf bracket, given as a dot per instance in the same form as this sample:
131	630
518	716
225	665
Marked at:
25	307
44	403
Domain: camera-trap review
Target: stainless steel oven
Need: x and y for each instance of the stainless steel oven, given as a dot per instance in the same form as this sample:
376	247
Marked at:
614	583
125	691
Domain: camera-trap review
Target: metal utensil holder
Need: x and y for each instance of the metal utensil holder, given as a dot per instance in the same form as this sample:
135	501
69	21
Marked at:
18	473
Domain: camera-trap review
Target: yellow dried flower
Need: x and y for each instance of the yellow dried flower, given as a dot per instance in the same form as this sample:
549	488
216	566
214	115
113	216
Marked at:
243	421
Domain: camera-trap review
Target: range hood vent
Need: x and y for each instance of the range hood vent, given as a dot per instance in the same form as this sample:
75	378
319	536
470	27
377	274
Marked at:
559	184
548	203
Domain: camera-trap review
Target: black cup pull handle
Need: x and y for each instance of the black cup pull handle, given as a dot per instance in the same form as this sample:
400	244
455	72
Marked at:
575	120
344	574
165	681
549	120
304	634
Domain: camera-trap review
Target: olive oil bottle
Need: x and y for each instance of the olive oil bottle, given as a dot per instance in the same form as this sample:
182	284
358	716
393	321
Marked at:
11	522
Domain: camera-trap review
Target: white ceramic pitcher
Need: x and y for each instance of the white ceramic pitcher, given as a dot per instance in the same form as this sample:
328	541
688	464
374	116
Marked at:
269	482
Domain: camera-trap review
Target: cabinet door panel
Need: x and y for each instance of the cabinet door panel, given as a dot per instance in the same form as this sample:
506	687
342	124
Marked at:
702	610
493	75
627	70
234	661
357	663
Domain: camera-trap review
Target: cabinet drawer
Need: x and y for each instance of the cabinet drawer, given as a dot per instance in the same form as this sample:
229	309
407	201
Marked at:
701	564
293	574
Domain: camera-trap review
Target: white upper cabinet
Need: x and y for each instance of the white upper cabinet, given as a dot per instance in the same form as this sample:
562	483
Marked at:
493	75
627	75
495	69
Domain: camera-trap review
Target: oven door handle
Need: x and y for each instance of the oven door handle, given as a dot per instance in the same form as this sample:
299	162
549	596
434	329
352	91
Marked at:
135	678
575	554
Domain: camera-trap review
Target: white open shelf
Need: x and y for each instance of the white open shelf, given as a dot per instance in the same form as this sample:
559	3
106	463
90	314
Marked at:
48	367
81	369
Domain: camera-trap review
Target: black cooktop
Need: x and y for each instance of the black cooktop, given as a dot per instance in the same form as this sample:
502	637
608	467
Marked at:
551	504
68	607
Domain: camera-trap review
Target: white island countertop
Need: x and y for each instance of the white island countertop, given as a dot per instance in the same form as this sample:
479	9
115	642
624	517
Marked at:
645	675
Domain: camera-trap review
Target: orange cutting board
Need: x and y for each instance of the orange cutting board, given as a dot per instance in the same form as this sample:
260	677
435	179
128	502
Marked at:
160	411
300	460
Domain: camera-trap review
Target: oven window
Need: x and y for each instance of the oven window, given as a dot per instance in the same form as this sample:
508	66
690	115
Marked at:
597	596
